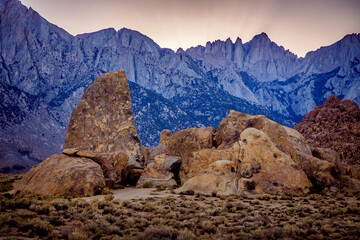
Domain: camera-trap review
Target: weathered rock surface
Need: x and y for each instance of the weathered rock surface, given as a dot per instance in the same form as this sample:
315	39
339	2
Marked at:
159	172
64	176
265	168
266	158
199	161
286	139
101	146
321	172
252	164
112	164
218	178
186	141
102	128
165	136
103	120
336	125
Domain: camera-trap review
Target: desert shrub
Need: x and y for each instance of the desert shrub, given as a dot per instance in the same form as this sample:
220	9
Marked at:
186	235
230	207
37	227
265	197
159	232
59	204
78	234
291	231
160	188
264	220
109	218
240	206
103	204
258	234
41	207
92	228
274	233
109	197
106	191
118	186
11	220
340	196
147	185
126	203
7	181
148	207
188	192
207	226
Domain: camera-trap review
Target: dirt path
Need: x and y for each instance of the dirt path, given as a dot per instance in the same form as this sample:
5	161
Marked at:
133	193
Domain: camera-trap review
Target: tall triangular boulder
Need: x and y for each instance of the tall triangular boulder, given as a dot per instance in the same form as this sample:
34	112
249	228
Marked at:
102	126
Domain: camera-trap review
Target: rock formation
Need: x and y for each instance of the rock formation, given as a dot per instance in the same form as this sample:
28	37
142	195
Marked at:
186	141
265	168
64	176
336	125
248	154
217	178
102	125
198	161
101	146
159	172
287	140
103	120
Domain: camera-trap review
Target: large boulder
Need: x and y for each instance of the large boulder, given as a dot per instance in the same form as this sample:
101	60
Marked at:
165	136
62	175
179	146
103	120
102	126
112	164
198	162
286	139
265	168
217	178
160	171
186	141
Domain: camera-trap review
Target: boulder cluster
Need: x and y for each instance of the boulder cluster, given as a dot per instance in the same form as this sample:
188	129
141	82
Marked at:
336	125
246	154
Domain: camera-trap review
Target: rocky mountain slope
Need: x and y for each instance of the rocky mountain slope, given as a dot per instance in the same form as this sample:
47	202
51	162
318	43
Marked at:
44	71
335	125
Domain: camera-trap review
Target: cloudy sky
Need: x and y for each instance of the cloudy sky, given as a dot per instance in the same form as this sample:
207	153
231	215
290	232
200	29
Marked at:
298	25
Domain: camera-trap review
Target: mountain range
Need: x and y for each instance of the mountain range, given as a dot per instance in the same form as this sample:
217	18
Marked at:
44	71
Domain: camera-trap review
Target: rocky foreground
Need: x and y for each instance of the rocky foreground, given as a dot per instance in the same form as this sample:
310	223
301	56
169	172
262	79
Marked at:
245	155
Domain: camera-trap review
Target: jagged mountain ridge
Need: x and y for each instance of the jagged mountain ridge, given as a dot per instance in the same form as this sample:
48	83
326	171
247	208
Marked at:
48	70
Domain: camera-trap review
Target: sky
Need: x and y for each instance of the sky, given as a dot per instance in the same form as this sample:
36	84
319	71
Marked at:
298	25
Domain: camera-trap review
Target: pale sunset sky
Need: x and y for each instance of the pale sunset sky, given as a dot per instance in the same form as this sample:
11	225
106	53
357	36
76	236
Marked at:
297	25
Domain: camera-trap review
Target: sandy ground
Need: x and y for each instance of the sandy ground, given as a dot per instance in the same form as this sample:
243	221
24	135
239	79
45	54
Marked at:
134	193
